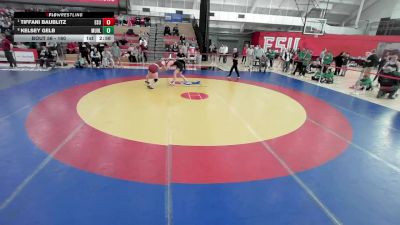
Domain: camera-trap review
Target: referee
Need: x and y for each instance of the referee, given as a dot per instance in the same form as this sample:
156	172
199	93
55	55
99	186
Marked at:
235	63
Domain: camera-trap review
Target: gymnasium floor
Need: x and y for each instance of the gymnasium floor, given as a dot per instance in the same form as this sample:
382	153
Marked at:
95	146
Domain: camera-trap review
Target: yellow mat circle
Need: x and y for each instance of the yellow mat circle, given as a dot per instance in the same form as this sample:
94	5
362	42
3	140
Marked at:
161	116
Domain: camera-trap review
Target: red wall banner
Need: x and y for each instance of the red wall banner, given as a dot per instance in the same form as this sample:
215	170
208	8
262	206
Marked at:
356	45
21	55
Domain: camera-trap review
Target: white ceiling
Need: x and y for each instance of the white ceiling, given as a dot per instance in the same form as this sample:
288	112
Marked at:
336	11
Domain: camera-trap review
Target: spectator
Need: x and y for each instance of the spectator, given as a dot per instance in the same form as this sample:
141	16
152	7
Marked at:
100	48
221	52
299	61
84	51
80	62
175	30
95	55
306	61
7	48
191	51
383	62
116	54
120	20
244	53
143	48
316	65
286	57
108	59
322	55
226	52
142	22
258	52
250	57
167	30
147	21
71	48
133	53
143	41
338	63
131	21
138	20
185	48
271	56
44	57
175	47
263	63
6	24
387	83
346	59
213	51
326	61
182	39
370	63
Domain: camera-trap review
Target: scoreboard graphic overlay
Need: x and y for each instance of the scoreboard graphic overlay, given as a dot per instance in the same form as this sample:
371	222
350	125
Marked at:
64	27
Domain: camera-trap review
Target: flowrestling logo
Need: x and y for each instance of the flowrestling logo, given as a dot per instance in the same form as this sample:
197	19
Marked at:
281	43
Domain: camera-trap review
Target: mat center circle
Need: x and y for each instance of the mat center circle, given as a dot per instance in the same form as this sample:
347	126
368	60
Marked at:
194	95
165	116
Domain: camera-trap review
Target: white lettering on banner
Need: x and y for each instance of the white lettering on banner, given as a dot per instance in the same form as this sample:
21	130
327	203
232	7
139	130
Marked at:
20	56
289	44
296	43
279	45
268	42
281	42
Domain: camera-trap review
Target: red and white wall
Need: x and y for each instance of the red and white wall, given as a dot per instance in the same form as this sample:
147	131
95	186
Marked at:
356	45
21	55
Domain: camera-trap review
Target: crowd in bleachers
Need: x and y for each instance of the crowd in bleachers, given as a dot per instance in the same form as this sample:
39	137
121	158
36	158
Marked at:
178	46
323	67
103	55
131	37
6	21
131	41
129	20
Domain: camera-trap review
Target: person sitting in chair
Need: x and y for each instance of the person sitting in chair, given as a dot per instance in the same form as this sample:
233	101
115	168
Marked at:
43	57
263	63
175	30
80	62
167	30
389	82
95	55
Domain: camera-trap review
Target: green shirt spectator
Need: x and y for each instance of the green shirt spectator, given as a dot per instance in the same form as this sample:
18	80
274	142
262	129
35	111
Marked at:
306	58
271	54
328	58
301	55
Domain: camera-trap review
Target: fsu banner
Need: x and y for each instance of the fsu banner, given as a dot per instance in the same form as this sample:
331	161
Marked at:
356	45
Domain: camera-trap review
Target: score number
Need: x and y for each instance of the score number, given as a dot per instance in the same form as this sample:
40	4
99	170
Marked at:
108	21
108	30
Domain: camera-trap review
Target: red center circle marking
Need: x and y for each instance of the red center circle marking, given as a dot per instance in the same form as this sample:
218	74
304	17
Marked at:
194	95
50	123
